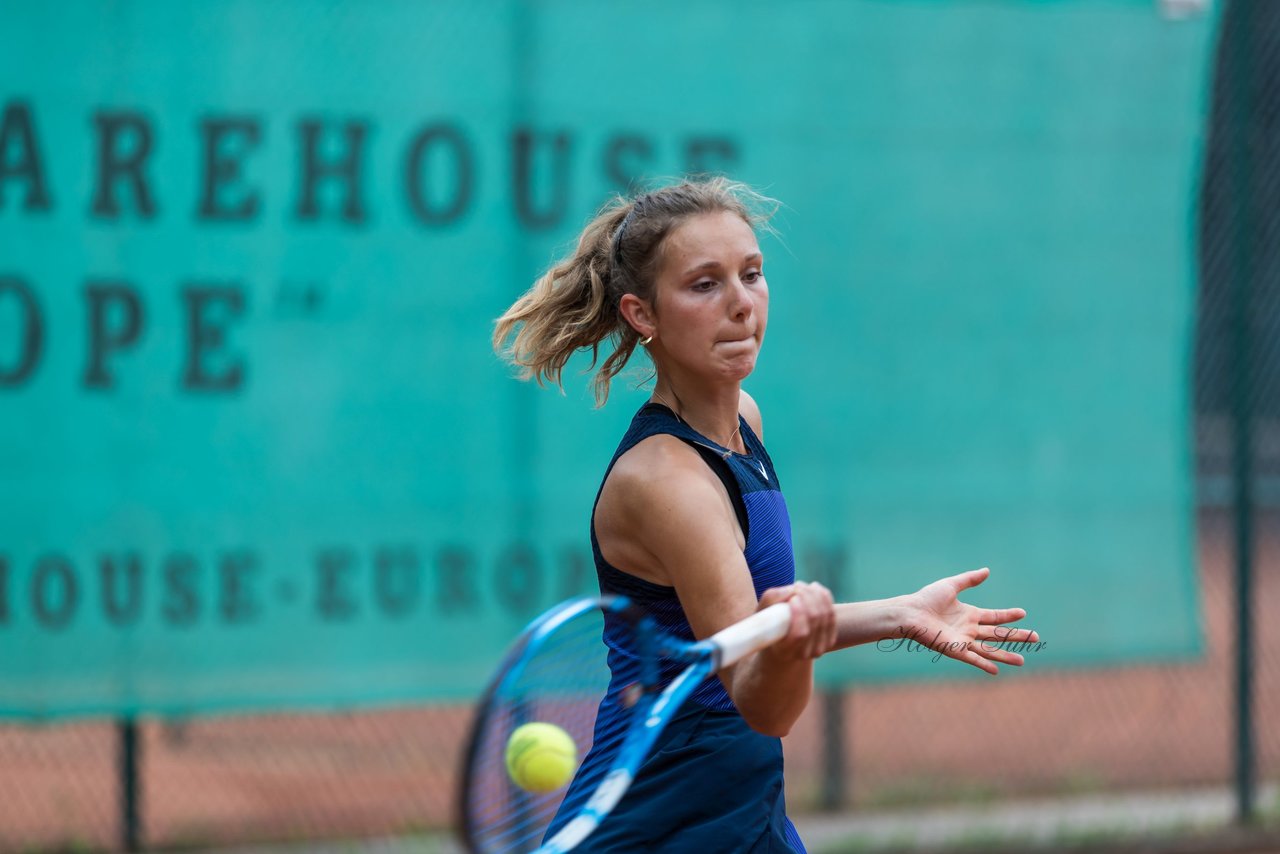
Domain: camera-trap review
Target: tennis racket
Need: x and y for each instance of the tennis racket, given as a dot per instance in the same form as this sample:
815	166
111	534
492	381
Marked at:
559	672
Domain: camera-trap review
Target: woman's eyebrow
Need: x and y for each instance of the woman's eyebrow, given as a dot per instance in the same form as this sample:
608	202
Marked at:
705	265
753	258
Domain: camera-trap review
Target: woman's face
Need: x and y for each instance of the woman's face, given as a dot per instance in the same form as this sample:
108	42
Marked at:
711	300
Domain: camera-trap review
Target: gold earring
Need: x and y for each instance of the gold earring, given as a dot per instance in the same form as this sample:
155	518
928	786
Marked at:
645	342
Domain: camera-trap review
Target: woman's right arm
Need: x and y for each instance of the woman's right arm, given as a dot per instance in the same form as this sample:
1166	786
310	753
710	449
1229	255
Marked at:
679	521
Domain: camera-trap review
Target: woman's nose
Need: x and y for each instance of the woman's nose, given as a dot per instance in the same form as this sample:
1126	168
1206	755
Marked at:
740	304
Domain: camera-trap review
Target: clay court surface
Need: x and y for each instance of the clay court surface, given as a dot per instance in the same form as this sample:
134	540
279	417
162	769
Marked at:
234	779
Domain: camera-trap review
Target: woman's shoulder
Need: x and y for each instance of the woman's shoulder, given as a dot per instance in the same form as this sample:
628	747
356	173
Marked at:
749	410
659	492
658	463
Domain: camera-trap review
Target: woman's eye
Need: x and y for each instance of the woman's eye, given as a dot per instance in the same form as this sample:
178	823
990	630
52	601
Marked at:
752	276
704	285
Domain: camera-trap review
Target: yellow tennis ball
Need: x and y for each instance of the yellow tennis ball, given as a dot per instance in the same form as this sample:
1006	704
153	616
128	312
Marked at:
541	757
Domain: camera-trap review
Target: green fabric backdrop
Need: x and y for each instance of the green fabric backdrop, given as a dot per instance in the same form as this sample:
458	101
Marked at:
255	450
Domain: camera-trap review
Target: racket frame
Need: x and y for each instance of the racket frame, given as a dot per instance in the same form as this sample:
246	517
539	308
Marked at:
704	658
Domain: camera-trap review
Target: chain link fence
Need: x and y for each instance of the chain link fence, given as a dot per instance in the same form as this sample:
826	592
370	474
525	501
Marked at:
1162	730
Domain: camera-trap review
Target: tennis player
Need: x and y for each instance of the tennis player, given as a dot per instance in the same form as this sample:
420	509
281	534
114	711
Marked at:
690	522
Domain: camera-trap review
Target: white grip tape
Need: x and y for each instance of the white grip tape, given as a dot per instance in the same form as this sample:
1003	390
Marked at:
754	633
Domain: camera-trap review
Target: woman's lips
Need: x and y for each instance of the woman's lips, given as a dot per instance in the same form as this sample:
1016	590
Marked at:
741	340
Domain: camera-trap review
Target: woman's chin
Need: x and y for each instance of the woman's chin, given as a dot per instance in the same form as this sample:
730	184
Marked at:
739	369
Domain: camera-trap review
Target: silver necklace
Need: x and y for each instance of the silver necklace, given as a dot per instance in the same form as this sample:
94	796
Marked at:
687	424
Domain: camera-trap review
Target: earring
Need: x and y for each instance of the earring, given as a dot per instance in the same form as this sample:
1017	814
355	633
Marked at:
645	342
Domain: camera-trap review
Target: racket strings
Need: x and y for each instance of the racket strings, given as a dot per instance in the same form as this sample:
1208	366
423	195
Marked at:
563	679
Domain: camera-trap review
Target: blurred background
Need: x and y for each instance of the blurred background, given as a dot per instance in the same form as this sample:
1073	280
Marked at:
271	509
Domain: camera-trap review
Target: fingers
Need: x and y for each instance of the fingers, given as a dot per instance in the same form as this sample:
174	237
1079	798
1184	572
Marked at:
995	653
774	595
983	653
972	578
992	616
990	644
992	620
813	618
823	630
971	657
818	607
800	628
1007	634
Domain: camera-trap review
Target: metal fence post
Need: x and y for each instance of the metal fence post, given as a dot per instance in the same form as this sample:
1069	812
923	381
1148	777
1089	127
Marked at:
828	566
130	828
834	790
1241	129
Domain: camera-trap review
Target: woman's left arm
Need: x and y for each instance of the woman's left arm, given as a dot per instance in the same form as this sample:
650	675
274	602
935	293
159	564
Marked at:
934	617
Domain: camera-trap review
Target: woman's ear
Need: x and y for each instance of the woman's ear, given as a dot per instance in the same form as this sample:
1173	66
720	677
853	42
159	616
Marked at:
639	314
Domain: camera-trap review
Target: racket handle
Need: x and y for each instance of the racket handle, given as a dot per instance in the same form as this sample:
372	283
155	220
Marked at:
754	633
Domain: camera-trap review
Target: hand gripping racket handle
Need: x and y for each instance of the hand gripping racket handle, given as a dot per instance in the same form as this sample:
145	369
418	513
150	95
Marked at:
747	636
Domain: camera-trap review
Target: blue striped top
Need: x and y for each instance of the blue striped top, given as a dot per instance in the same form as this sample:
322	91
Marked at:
767	531
710	783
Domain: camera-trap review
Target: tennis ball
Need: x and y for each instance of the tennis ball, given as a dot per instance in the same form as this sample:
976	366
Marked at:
541	757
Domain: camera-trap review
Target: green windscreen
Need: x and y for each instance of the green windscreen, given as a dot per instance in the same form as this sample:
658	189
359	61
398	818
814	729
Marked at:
256	450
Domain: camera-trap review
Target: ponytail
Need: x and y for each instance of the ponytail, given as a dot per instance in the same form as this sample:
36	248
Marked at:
569	309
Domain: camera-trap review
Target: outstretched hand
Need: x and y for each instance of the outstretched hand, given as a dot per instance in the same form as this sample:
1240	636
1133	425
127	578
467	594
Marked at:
937	619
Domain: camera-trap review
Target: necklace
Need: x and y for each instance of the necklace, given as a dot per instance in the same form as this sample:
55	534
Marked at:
686	423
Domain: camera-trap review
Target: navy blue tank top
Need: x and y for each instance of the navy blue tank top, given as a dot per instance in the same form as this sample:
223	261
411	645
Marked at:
711	783
767	531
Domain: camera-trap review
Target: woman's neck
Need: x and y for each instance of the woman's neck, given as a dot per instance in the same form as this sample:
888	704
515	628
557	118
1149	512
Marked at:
713	412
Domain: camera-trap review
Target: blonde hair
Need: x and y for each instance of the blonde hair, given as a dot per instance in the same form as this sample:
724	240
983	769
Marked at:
574	305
